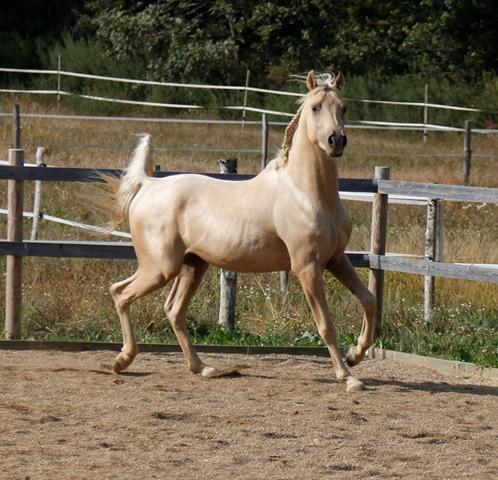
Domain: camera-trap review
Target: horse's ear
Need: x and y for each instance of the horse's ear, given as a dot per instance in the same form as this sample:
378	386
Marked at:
311	81
339	81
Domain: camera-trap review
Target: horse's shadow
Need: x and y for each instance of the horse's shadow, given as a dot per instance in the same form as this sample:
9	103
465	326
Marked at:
433	387
102	372
134	374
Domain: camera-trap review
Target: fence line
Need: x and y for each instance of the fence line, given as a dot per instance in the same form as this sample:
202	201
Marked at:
152	104
396	262
71	223
454	193
370	123
402	189
467	156
15	248
360	124
229	87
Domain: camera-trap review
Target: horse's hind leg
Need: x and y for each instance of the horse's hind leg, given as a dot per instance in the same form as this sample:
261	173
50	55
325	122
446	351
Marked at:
124	293
184	287
344	271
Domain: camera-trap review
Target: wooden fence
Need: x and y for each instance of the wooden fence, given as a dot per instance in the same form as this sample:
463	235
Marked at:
15	247
376	190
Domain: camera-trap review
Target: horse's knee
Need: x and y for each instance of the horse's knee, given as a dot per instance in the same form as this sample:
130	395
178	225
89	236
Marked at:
309	275
120	301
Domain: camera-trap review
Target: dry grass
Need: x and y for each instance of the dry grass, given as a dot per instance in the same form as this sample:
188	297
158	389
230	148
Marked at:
69	297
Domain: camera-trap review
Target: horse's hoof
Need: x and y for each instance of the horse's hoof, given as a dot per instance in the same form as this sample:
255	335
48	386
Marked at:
122	361
354	385
351	358
209	372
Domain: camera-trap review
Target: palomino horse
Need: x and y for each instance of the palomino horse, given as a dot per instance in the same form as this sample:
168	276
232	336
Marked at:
289	217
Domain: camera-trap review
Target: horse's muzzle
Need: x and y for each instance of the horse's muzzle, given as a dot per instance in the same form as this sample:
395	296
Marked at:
338	144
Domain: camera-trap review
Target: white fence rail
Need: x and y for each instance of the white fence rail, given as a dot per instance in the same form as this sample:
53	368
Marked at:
62	73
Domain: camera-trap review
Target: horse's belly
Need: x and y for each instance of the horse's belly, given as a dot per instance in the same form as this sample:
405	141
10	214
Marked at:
251	250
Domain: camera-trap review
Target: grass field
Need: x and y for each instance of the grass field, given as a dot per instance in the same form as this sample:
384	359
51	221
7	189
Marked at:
69	299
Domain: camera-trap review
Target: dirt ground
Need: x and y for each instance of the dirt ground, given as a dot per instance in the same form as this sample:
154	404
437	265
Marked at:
66	416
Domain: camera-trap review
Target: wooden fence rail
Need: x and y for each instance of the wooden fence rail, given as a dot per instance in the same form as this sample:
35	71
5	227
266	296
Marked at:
453	193
125	251
66	174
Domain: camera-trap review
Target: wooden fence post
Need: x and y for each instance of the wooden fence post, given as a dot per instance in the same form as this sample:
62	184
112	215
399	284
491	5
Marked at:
378	245
467	152
58	80
13	284
40	152
248	73
440	230
264	141
284	284
430	254
228	280
16	128
426	115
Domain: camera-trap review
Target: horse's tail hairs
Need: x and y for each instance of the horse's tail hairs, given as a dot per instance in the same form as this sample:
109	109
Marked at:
138	169
113	201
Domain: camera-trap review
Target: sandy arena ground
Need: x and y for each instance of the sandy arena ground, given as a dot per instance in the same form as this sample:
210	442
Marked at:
66	416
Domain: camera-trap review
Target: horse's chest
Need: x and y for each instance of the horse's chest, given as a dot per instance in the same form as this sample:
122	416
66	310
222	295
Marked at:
320	235
329	232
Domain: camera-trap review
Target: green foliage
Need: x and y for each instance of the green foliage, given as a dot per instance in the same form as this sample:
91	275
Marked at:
180	41
193	39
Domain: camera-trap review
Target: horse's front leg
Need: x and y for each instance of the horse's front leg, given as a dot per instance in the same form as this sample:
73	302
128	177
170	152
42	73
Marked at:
311	278
344	271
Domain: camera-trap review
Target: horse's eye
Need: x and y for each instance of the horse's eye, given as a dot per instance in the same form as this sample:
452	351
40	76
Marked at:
315	108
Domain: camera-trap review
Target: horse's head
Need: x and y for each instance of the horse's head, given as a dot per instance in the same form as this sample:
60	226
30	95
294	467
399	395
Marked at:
324	112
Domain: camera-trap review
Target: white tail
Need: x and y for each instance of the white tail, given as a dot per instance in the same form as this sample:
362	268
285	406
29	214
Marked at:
140	167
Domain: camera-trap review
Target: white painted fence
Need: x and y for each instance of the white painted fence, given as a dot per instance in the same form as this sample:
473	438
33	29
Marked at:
361	124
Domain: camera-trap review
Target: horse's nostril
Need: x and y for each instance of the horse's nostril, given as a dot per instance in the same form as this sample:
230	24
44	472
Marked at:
332	140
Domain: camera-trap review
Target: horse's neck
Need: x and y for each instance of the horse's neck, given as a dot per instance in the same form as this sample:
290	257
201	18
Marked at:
312	170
